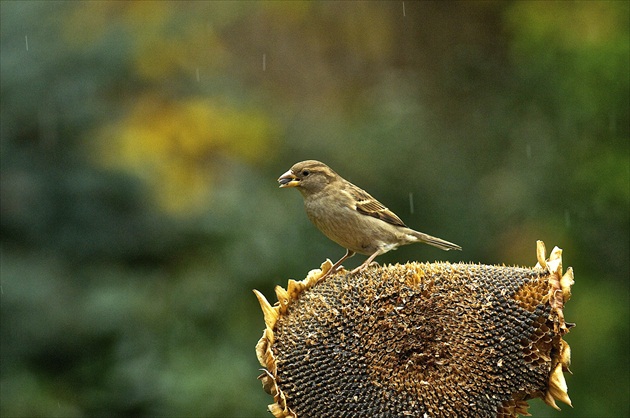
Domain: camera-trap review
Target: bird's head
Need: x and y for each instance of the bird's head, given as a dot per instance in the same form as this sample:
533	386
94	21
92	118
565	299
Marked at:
308	176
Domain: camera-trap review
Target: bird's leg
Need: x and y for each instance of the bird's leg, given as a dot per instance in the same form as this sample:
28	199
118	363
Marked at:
336	266
367	262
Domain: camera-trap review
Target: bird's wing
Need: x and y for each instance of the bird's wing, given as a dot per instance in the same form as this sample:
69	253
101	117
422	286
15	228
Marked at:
367	205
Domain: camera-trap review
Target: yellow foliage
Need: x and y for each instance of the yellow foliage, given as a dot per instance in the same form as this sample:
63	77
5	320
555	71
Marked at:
173	144
570	24
293	12
193	46
159	46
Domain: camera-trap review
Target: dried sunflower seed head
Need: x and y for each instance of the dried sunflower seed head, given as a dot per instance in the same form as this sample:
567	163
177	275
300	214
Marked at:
418	339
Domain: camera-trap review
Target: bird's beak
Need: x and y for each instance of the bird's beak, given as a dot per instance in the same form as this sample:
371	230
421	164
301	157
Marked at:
288	179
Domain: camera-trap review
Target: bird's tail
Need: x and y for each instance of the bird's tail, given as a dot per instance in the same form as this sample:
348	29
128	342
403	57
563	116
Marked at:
436	242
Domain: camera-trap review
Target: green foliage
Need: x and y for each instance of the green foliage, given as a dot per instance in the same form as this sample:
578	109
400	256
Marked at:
140	143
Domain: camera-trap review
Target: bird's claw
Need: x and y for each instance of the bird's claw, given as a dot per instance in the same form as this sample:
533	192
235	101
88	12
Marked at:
330	272
364	266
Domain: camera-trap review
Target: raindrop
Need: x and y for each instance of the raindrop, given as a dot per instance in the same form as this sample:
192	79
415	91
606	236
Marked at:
404	9
264	62
411	202
26	40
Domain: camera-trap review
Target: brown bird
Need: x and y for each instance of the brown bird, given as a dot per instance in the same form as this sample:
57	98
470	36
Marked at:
351	217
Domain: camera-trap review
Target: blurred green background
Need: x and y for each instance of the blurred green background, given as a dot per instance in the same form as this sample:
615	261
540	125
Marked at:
141	142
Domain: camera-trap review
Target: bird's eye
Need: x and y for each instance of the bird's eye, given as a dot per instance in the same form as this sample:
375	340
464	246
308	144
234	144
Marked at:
305	173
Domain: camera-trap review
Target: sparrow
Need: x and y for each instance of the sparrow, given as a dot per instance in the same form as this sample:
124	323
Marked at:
350	216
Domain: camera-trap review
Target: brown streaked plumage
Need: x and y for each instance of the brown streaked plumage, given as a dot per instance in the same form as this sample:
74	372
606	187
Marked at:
350	216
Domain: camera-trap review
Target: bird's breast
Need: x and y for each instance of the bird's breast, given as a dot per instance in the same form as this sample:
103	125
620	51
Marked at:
347	227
